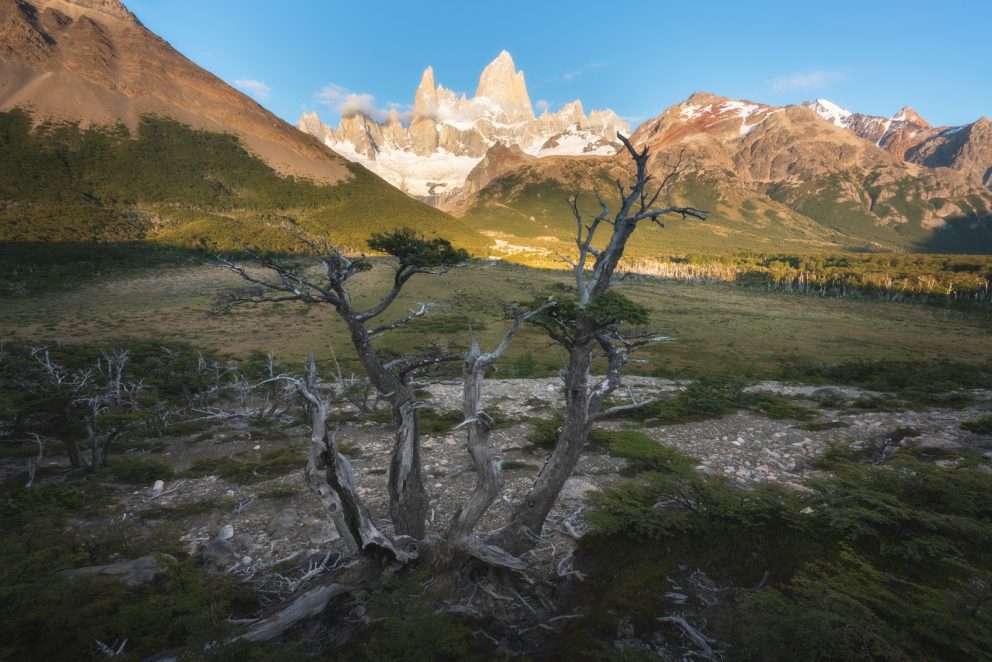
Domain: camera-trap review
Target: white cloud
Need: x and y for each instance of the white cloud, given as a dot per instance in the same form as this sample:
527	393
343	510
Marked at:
809	80
256	88
350	103
542	105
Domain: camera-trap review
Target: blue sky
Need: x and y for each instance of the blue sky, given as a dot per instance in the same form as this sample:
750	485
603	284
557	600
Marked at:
634	57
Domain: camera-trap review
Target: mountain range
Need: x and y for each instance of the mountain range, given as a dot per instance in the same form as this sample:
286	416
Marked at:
448	135
107	133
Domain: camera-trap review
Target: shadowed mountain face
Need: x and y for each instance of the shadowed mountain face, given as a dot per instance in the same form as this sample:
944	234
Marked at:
771	176
109	134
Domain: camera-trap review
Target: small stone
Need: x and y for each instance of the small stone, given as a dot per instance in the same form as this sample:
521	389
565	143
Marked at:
226	532
246	561
230	493
256	447
157	487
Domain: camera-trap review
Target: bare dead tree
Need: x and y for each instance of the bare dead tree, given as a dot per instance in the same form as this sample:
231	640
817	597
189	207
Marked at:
107	401
489	479
330	476
392	378
597	320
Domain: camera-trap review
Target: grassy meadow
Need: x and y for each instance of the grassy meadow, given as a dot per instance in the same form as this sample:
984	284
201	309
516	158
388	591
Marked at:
716	328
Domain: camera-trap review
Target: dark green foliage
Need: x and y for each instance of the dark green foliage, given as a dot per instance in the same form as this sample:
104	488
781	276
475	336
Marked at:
439	422
905	377
408	627
641	451
263	466
886	562
713	397
546	431
43	616
139	471
413	249
523	366
612	307
609	309
776	406
979	426
53	619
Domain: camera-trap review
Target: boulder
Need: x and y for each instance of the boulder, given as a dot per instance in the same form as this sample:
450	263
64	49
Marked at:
135	572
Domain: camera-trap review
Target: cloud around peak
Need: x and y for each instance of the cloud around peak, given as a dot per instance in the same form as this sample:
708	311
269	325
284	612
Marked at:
349	103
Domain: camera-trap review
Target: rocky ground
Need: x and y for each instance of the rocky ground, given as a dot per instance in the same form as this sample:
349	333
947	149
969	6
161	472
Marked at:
272	532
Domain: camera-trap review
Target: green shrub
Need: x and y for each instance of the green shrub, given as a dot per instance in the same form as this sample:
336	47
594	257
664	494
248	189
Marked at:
545	432
641	451
136	470
266	466
980	426
889	562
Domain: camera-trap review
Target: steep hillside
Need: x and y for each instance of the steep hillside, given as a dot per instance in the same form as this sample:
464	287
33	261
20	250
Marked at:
109	134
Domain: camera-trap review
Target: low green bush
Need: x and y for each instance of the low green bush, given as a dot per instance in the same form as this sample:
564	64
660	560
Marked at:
879	562
265	466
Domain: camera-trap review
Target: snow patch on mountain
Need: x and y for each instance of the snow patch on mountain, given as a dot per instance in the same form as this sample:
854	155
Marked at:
830	111
449	134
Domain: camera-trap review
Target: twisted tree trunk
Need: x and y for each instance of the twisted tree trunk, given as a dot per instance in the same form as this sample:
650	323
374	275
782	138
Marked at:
529	516
408	503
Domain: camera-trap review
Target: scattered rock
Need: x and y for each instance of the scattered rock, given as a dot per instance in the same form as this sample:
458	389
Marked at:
226	532
827	392
158	487
136	572
576	488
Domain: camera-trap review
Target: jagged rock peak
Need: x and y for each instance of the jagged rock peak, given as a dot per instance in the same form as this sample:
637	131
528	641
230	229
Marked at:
425	99
908	114
502	83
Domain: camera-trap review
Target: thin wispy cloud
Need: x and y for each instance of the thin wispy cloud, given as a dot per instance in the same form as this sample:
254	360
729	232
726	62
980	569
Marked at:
576	73
349	103
255	88
810	80
542	105
569	76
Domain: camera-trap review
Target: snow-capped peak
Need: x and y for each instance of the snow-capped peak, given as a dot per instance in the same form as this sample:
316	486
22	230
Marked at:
830	111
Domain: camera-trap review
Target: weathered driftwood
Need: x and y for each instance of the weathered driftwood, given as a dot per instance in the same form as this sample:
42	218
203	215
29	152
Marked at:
308	605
